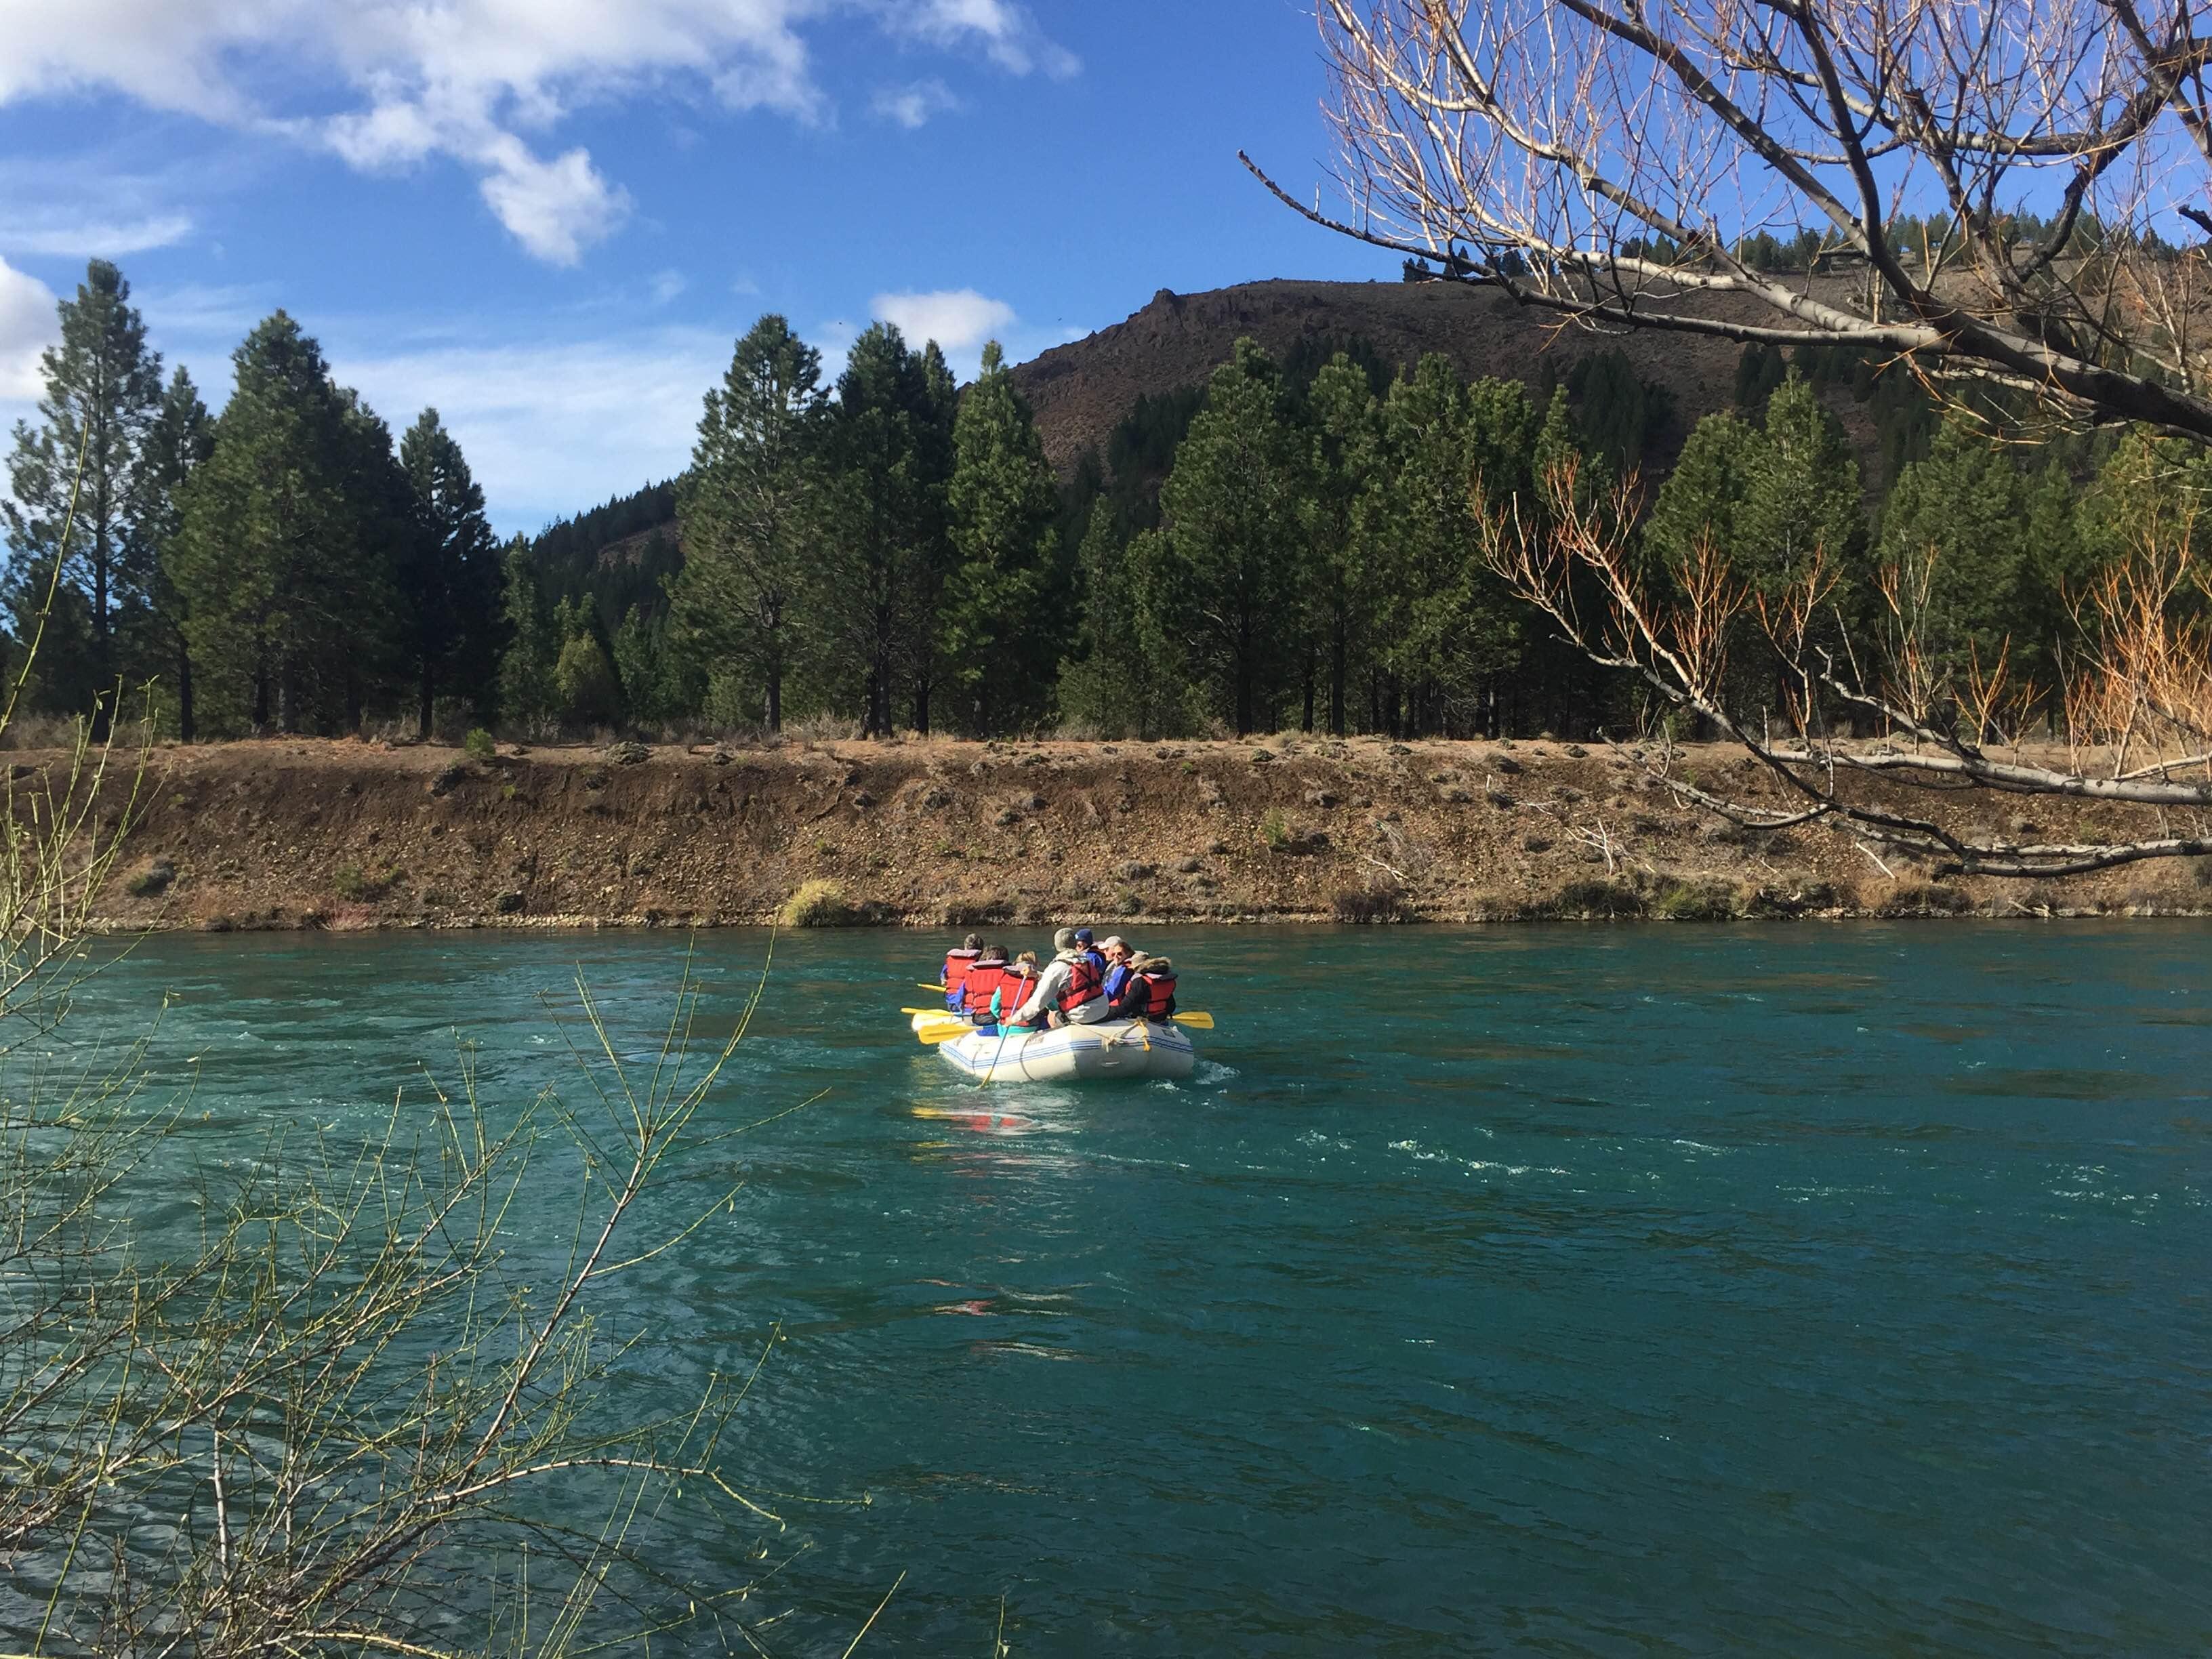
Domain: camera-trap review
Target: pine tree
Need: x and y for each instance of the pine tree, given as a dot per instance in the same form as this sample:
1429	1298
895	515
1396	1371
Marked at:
1346	425
288	533
656	688
1955	529
1001	627
1445	626
178	444
932	566
1802	497
1118	680
1226	585
103	392
448	575
589	692
877	572
528	697
1700	498
751	511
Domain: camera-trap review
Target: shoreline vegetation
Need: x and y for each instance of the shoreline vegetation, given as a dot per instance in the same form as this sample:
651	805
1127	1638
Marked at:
296	833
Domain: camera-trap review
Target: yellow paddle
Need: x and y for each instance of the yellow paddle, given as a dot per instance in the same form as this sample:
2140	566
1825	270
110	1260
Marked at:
1197	1021
923	985
933	1035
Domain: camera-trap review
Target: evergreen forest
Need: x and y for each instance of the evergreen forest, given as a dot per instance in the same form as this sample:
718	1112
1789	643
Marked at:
1292	545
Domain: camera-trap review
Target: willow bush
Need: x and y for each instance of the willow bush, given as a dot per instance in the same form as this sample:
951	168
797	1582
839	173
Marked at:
342	1411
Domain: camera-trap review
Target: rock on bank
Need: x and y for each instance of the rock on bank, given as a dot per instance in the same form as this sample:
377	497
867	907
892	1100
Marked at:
307	833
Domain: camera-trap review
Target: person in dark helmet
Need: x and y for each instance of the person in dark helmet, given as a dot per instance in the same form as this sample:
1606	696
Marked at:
1097	957
956	964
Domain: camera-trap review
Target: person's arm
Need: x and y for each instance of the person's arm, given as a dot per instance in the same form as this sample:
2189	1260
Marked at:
1047	987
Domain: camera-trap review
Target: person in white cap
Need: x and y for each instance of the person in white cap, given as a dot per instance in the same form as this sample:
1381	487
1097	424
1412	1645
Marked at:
1118	955
1071	991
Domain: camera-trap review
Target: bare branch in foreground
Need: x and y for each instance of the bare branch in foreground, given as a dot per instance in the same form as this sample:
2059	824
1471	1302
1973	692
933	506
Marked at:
2142	696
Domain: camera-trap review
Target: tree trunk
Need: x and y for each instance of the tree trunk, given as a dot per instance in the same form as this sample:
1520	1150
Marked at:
773	665
1336	676
261	686
425	698
186	730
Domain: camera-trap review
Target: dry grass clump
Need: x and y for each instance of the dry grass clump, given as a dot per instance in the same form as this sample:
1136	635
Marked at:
817	903
1359	905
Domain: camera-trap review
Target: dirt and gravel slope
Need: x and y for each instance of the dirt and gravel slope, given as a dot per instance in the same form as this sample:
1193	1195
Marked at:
301	833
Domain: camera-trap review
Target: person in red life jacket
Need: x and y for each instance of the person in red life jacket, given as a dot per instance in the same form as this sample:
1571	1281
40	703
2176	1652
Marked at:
1083	943
1071	991
956	964
1155	980
1015	990
985	975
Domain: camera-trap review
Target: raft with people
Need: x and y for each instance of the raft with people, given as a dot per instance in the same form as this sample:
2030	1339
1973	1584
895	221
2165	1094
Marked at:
1095	1011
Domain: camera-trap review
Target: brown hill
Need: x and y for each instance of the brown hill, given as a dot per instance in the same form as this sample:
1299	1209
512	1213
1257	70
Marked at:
1081	390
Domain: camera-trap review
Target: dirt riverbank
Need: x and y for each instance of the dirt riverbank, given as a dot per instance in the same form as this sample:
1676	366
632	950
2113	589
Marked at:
288	834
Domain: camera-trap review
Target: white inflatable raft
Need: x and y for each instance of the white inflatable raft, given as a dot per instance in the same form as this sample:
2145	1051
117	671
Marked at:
1121	1047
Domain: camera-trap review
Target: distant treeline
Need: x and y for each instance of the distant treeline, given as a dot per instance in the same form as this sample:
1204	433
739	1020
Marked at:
1294	543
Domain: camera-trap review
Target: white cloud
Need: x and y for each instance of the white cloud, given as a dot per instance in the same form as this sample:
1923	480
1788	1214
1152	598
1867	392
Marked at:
94	238
481	81
668	285
556	208
959	320
28	327
1008	32
912	107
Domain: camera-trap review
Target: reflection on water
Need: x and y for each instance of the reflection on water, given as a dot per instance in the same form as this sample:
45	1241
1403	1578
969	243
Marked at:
1808	1290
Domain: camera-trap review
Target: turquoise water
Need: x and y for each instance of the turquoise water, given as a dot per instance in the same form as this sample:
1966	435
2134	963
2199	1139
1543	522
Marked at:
1809	1290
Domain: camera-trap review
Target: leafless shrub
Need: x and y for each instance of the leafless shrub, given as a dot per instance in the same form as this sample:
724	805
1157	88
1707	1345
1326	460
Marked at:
2139	698
1606	161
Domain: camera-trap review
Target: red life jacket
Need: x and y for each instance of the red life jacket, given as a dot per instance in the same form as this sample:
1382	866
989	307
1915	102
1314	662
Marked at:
1084	983
1014	991
956	964
976	987
1159	994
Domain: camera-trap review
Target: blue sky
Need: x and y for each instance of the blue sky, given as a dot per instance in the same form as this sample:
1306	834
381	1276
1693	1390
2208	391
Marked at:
550	218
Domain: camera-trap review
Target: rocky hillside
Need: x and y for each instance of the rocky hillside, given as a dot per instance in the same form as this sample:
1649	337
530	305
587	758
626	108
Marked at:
295	834
1080	390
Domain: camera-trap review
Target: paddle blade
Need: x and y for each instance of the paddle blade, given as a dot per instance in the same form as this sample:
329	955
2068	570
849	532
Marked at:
940	1013
933	1035
1201	1022
921	985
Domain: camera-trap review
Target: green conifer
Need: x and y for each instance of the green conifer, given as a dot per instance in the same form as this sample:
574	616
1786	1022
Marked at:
751	512
1004	620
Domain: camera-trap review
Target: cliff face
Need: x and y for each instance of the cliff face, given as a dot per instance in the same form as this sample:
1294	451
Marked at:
295	834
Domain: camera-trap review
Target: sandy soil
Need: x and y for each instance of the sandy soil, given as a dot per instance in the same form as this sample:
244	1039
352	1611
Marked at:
941	834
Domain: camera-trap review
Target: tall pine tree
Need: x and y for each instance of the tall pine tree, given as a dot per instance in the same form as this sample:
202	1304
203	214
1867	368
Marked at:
1224	590
103	392
178	445
875	578
448	575
289	533
751	511
1002	627
1346	428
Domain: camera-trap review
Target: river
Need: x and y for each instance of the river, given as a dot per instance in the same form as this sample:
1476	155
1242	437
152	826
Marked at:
1810	1290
